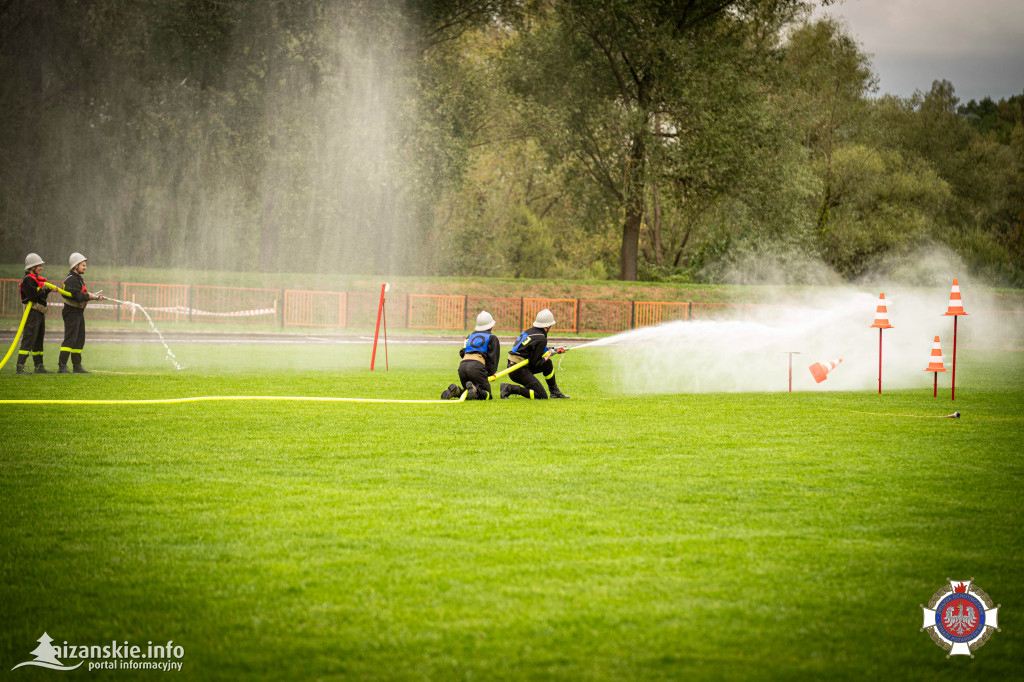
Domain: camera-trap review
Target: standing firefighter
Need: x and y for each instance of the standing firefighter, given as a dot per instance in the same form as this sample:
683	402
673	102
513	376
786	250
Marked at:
532	347
480	356
74	316
33	292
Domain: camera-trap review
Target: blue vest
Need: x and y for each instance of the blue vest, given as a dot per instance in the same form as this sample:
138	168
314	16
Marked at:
477	342
523	339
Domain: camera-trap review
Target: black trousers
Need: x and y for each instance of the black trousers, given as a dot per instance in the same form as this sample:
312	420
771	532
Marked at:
74	335
471	371
528	381
32	337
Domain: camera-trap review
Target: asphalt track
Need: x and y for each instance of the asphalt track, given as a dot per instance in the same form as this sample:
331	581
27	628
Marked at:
134	336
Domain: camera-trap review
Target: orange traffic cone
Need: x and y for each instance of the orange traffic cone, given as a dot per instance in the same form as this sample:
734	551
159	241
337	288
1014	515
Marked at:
936	365
881	314
936	359
820	370
956	304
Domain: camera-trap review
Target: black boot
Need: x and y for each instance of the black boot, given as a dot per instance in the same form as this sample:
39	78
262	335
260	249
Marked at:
504	391
453	391
471	392
63	369
21	369
554	390
81	370
41	370
513	389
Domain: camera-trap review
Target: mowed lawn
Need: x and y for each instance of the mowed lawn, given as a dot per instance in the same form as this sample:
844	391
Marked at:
726	536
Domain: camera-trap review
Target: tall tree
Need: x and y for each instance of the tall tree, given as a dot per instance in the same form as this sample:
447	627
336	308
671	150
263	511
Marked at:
611	82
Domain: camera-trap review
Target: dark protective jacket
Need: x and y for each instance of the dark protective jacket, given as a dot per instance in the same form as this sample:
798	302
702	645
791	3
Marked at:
75	285
32	289
487	345
531	345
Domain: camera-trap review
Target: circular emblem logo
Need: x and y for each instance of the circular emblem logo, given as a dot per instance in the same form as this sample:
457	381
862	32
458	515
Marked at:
960	617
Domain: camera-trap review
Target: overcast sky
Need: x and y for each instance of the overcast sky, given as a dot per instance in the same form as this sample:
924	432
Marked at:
978	45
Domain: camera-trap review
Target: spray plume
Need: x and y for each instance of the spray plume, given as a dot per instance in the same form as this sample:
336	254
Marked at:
749	355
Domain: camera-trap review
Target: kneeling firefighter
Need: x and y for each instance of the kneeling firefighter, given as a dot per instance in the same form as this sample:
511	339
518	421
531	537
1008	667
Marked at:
34	291
532	347
480	355
74	316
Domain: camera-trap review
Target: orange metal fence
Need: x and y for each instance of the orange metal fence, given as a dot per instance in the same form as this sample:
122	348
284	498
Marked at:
161	301
315	308
648	313
606	316
715	311
233	304
507	312
565	311
177	302
429	311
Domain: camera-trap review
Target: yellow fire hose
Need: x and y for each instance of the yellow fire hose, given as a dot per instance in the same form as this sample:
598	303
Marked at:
17	336
57	288
507	371
224	398
518	365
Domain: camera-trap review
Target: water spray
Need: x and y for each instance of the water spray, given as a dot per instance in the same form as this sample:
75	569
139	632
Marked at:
170	354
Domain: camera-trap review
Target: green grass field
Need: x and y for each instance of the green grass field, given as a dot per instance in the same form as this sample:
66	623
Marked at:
742	536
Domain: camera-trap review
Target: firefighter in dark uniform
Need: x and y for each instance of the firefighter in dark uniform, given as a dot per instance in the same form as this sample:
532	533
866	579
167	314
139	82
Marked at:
480	355
532	345
33	292
74	316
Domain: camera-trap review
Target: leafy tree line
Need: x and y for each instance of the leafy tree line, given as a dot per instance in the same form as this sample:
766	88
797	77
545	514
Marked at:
694	141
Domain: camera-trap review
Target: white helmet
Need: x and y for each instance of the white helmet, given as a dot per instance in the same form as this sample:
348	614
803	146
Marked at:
544	319
32	260
484	321
75	259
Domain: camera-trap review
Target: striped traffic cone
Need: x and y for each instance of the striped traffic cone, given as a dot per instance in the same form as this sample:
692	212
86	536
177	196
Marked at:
881	314
955	310
820	370
936	365
956	304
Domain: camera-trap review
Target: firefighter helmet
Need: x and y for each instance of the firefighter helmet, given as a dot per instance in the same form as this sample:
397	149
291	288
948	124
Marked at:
75	259
32	260
484	321
544	319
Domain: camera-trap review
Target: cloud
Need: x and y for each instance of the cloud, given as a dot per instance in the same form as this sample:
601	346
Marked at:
979	46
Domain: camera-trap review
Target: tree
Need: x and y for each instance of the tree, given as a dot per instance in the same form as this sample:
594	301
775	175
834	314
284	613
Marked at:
612	83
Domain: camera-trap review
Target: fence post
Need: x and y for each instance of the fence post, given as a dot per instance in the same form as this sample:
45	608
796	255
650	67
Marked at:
578	323
117	306
280	307
190	300
522	312
465	311
408	310
632	314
